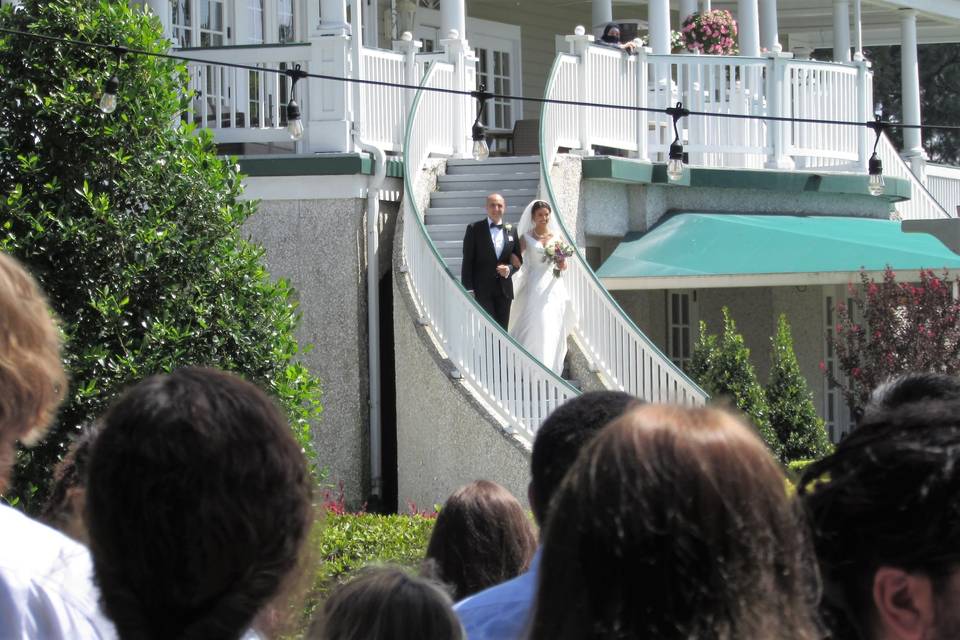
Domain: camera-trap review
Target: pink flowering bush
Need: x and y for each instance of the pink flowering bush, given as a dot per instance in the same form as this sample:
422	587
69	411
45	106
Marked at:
713	32
893	328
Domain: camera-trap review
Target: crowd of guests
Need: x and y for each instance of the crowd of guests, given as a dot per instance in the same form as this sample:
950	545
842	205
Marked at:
187	509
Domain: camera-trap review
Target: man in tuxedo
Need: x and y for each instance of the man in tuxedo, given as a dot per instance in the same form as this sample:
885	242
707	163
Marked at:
487	247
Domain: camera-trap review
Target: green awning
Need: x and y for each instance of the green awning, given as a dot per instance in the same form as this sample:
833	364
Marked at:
697	250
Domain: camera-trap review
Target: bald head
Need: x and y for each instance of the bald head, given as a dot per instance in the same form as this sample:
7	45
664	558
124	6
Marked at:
495	207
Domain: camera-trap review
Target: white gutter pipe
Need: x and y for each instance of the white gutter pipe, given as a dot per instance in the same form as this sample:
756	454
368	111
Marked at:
374	183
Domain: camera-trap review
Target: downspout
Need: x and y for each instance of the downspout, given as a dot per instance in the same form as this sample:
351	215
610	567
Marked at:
374	183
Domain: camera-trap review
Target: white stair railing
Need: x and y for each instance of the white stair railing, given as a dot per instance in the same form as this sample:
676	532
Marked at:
943	182
516	387
921	205
621	353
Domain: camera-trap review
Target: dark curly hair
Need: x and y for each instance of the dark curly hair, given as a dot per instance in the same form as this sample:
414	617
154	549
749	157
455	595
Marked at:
888	496
198	505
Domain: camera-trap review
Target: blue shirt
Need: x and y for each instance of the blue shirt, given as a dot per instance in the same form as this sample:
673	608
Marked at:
501	612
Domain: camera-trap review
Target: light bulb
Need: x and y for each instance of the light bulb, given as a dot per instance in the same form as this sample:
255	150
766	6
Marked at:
480	150
675	169
875	184
294	123
108	101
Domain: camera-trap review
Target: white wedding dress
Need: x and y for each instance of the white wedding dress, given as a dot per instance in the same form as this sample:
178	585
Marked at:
542	315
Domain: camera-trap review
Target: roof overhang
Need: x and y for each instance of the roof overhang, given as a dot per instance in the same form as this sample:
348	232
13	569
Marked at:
710	250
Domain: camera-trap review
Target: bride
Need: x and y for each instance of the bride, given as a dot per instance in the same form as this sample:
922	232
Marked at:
542	315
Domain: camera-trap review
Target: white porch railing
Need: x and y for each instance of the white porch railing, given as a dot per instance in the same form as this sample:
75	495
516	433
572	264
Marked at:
518	388
624	356
241	105
944	184
383	110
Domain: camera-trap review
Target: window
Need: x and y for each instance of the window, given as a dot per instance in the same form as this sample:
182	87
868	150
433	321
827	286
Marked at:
213	28
681	326
181	22
836	414
285	21
255	19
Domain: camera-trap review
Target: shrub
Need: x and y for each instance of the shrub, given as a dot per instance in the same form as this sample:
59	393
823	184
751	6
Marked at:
894	328
722	367
130	223
792	414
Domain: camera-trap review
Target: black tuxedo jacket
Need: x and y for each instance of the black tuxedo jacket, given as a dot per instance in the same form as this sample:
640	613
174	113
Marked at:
479	269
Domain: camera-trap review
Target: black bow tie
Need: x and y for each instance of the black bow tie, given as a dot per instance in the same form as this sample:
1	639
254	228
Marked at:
494	225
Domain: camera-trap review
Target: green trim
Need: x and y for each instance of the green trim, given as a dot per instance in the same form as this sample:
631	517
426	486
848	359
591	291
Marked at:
326	164
634	171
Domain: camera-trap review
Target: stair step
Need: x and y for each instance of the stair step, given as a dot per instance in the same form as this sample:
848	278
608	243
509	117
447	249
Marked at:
450	248
446	231
461	217
496	182
477	198
508	164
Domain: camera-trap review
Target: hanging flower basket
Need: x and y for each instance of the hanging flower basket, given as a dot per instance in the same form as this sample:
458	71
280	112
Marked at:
712	32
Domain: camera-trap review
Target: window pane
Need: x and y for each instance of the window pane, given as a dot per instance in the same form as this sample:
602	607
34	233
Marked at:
685	305
675	349
674	308
686	342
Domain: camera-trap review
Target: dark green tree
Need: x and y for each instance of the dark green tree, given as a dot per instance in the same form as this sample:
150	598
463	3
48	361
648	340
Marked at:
792	414
131	224
721	365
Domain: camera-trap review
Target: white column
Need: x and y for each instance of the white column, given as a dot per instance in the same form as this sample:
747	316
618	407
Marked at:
686	8
328	110
161	9
748	20
769	29
857	30
334	17
371	19
658	18
841	31
602	14
453	15
704	6
910	76
778	99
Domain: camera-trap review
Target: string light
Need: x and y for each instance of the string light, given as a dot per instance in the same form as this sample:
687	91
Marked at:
481	151
294	120
108	101
675	166
875	184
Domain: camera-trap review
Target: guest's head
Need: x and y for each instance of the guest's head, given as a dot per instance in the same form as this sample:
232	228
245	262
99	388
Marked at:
482	537
611	33
387	603
885	513
198	504
675	523
31	372
65	506
561	437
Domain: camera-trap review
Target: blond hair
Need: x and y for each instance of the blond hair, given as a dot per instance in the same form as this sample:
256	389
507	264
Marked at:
32	379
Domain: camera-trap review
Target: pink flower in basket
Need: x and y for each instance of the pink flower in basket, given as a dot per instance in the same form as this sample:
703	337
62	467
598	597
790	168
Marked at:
712	32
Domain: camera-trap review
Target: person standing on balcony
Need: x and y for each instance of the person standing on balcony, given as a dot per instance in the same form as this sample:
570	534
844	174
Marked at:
611	38
486	271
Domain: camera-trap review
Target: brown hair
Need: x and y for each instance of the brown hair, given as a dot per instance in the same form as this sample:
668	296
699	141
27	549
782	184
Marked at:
386	603
482	537
32	379
675	523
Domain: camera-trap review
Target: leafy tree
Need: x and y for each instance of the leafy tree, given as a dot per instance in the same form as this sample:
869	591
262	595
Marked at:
722	367
130	223
792	414
894	328
939	67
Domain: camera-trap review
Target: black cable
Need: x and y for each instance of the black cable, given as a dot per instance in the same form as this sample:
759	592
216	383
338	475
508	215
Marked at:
472	94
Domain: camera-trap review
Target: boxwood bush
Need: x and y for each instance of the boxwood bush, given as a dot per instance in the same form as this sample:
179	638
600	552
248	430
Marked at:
130	222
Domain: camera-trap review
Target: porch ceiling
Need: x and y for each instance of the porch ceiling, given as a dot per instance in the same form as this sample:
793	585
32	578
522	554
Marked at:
811	23
720	250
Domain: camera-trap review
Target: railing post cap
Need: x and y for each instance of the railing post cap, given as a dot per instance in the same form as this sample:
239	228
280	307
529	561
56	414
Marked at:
406	36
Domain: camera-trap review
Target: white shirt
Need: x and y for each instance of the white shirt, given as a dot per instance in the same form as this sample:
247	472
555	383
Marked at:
496	235
46	584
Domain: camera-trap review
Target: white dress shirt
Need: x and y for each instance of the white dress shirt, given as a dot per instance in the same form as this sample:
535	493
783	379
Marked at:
496	234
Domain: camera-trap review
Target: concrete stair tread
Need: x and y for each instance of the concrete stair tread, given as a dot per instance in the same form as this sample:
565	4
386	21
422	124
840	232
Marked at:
483	193
488	177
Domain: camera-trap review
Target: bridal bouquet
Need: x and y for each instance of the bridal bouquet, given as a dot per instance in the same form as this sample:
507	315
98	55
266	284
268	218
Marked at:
557	254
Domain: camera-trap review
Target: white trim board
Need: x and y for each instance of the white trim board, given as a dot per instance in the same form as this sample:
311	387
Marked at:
315	188
726	281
